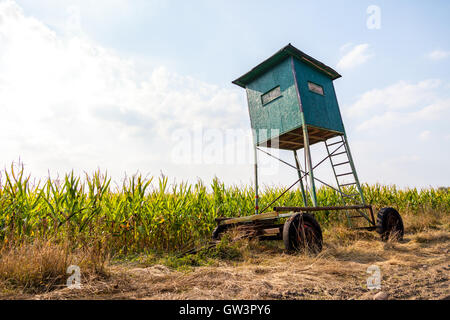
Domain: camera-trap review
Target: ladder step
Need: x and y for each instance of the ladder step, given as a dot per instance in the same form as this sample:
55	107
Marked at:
332	144
347	184
344	174
340	164
339	153
355	217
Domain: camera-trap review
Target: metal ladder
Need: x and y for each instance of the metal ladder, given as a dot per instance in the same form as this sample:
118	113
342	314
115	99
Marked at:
340	148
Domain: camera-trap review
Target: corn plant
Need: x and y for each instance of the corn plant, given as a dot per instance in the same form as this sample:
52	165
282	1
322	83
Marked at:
154	214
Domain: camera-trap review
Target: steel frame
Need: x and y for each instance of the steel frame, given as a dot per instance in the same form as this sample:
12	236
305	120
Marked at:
309	173
308	186
303	174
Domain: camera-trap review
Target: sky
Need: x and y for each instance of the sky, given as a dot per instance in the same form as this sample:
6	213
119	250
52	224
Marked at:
145	86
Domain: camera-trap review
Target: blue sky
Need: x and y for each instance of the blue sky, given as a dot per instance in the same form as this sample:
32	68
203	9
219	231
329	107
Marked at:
130	72
232	36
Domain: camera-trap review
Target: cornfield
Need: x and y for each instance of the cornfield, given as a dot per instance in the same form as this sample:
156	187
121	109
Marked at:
152	214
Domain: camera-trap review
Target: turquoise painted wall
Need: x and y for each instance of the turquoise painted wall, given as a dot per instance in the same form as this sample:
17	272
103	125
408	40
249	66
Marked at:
283	114
320	111
280	115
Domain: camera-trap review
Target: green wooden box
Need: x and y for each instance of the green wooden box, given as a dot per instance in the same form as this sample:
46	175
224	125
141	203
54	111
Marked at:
287	91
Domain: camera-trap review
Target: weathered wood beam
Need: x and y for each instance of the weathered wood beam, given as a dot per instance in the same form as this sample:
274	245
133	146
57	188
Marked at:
267	215
298	209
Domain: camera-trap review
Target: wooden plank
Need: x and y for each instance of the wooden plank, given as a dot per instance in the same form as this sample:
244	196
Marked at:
298	209
292	140
271	231
291	143
316	139
317	134
267	215
292	133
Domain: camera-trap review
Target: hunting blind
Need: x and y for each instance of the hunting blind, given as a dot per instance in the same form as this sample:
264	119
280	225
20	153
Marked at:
292	105
281	89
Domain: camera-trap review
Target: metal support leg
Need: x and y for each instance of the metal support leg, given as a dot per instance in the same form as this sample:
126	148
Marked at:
309	164
256	181
305	136
299	171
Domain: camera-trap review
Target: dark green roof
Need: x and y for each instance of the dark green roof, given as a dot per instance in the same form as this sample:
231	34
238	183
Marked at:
287	51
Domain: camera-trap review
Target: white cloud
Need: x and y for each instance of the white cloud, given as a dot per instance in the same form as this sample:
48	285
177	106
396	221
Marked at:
401	160
402	110
69	103
401	95
438	55
439	111
345	47
355	56
400	128
424	135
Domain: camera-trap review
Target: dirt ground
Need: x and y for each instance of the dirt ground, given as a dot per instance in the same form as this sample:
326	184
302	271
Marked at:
416	268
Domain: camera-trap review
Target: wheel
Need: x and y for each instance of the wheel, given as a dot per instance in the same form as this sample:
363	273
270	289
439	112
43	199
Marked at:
302	232
390	224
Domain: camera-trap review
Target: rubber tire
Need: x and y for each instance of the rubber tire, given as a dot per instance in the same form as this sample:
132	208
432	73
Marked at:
294	243
385	219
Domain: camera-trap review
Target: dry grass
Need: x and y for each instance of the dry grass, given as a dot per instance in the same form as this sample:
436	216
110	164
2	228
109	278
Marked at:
41	265
410	270
415	268
426	220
